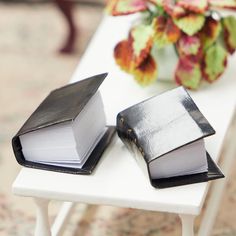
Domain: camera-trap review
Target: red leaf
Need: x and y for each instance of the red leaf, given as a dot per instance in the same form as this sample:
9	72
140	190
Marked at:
189	46
197	6
225	4
146	73
188	73
210	32
165	31
172	9
123	55
141	41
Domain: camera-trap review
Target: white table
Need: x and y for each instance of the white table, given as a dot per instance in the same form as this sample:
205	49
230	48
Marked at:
117	179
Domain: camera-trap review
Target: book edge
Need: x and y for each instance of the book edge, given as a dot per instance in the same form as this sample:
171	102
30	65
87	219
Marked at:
21	132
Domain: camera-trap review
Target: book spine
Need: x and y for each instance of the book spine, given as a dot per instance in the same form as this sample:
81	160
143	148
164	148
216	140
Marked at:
129	138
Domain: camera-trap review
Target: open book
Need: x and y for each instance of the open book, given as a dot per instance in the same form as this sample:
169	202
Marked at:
166	133
187	160
65	129
69	143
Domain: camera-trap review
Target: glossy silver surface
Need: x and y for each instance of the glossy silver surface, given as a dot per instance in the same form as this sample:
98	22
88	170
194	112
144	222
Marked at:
165	122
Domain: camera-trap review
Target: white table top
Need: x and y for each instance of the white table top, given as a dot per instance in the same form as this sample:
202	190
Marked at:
117	179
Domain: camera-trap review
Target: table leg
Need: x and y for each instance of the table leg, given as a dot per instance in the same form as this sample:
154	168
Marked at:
42	223
187	224
212	209
62	218
228	156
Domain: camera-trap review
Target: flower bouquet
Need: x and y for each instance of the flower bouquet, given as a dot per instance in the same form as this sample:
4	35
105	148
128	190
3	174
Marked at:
202	38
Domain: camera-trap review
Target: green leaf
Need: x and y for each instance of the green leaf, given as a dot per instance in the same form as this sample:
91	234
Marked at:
214	62
228	4
125	7
157	2
165	31
147	72
188	73
229	24
191	23
141	37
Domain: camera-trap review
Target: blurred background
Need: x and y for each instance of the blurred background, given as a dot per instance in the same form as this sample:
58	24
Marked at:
39	52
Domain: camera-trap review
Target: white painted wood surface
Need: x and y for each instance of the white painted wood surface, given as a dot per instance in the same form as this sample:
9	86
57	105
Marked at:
217	191
42	224
62	218
187	224
117	179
